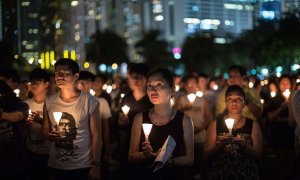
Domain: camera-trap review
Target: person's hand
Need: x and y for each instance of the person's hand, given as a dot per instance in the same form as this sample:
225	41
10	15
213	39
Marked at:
123	119
33	117
240	141
94	173
224	139
148	150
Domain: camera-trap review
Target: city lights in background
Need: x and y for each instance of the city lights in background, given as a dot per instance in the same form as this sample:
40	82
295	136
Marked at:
177	53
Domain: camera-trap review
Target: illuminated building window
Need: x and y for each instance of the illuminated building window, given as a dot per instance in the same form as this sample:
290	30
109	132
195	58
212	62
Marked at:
159	18
25	3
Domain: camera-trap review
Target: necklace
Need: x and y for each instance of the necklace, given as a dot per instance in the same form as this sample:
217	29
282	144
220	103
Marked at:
237	122
153	117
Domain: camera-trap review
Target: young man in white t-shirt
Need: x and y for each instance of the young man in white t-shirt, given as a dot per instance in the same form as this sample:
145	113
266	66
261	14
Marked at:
37	147
75	134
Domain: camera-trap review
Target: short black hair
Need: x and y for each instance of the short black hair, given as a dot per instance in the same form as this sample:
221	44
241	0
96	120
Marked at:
86	75
202	75
139	68
39	74
9	73
71	64
235	89
166	74
238	68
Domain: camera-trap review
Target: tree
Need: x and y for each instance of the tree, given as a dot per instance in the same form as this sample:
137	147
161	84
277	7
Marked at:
153	49
199	53
106	47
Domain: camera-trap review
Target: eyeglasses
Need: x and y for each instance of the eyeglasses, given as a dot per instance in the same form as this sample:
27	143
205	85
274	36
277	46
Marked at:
62	73
157	87
235	100
35	83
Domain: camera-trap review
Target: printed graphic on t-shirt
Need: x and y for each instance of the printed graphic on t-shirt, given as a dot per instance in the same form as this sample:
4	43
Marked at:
65	145
6	132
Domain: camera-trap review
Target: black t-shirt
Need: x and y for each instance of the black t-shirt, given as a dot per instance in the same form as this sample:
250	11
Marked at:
12	148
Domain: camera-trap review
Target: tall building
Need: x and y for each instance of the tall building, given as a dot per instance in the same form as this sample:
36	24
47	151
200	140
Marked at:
271	10
176	19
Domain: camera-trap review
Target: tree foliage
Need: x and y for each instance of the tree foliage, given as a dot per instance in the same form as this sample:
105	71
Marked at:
153	49
106	47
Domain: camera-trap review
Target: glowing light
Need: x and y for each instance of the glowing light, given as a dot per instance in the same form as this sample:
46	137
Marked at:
159	18
147	129
57	116
251	84
102	67
273	94
86	65
109	89
287	93
191	97
114	66
73	55
74	3
66	54
92	92
126	109
262	101
229	123
122	95
17	91
215	87
177	88
199	93
16	56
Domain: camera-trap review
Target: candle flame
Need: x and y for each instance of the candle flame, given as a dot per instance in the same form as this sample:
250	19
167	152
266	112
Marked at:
57	116
147	128
191	97
125	109
229	123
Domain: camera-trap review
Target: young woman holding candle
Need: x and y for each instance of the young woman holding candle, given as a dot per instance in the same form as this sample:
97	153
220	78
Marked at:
166	121
233	156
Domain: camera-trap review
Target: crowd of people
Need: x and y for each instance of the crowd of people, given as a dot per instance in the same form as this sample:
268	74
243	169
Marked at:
73	124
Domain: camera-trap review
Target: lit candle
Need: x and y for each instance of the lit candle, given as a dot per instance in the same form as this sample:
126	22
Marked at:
29	111
147	129
262	101
177	88
215	87
122	95
57	116
273	94
172	102
199	93
229	123
92	92
17	91
251	84
109	89
287	93
191	97
125	109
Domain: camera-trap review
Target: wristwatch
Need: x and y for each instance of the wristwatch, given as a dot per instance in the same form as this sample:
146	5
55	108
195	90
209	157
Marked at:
96	163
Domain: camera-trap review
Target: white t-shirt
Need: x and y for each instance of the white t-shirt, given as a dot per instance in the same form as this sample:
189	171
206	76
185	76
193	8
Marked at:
196	113
34	140
105	112
73	150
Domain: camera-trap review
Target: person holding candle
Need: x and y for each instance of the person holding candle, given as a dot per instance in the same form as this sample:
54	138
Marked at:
37	147
199	111
137	101
74	150
281	137
166	121
13	114
233	156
